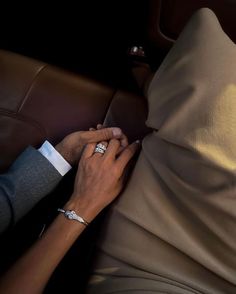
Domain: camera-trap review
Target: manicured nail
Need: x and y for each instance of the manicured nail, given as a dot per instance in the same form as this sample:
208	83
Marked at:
116	132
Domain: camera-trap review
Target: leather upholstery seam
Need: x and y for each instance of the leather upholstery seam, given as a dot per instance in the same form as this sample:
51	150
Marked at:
20	117
26	96
113	95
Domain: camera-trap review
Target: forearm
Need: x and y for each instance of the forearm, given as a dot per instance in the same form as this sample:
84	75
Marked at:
30	178
31	273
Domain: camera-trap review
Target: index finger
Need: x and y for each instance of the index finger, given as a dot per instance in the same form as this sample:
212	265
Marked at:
123	138
126	155
103	134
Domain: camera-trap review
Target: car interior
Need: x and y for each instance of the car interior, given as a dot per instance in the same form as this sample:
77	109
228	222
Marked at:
67	67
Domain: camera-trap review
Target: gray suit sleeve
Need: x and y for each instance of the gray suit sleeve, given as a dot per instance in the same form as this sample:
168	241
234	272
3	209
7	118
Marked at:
29	179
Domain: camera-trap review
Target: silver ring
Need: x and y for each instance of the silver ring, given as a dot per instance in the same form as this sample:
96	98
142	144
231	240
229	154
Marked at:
100	148
103	147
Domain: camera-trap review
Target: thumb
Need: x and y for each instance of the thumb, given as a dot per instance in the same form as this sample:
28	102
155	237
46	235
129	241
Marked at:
101	135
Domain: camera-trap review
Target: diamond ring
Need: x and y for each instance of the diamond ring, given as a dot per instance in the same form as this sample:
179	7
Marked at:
100	148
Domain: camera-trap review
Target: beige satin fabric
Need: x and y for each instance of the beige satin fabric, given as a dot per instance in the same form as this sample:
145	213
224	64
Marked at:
175	223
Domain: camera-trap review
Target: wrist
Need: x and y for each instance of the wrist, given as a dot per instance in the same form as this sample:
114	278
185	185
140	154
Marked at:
65	153
82	207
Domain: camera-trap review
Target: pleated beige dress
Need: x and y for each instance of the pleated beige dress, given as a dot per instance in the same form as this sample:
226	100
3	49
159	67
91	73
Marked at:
173	229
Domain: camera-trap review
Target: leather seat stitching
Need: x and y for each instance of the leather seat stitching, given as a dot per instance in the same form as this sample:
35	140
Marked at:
26	96
20	117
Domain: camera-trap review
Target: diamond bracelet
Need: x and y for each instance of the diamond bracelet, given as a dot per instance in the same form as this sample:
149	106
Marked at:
71	214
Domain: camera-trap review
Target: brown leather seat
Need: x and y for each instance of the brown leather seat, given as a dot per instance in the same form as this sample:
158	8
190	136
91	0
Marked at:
39	101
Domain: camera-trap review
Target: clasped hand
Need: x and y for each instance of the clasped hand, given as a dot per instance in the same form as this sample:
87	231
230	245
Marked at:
72	145
100	177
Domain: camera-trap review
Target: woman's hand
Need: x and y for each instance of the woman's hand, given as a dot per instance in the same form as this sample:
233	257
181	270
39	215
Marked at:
71	146
98	182
99	178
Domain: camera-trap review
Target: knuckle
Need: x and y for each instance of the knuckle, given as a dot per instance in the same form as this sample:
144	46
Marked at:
106	134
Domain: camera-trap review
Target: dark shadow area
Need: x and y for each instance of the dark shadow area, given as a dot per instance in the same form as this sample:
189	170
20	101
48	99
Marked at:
89	37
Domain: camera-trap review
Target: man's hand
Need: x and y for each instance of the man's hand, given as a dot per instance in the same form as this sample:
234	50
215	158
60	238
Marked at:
71	146
99	178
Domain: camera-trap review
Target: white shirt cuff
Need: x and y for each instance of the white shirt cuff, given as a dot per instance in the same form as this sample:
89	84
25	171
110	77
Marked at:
52	155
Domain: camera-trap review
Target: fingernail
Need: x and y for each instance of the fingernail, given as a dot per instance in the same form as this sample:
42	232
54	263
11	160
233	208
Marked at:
116	132
137	141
